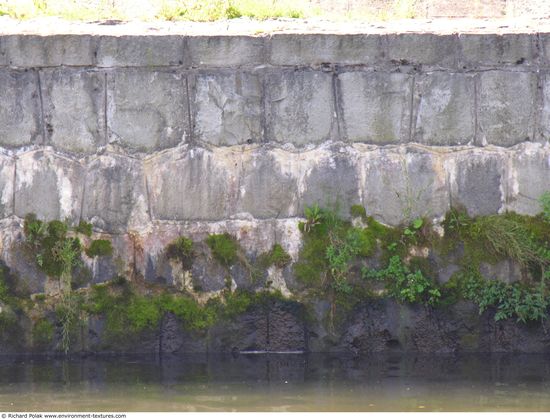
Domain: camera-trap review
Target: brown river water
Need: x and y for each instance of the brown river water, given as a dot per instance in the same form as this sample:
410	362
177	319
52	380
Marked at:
276	382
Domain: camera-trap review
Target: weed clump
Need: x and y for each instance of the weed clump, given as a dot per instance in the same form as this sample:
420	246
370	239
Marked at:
84	228
100	248
181	249
224	248
277	256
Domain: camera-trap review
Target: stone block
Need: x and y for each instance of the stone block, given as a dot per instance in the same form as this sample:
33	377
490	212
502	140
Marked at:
331	180
225	51
19	108
300	107
544	125
529	178
476	181
115	197
401	185
315	49
227	108
147	110
375	106
49	51
7	173
48	185
497	50
544	39
444	111
140	51
74	109
506	114
422	49
193	185
269	185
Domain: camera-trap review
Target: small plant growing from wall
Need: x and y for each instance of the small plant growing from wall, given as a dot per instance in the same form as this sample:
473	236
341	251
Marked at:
58	251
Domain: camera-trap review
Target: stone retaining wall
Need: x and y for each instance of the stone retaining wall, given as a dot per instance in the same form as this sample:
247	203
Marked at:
136	132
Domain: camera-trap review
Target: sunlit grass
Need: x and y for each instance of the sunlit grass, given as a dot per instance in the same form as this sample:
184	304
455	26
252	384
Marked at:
194	10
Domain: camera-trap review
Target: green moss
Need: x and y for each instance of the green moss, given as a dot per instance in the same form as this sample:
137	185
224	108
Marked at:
193	316
358	211
545	204
99	247
4	291
224	248
181	249
42	333
277	256
84	228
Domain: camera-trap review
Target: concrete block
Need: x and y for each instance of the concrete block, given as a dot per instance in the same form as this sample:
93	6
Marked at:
227	108
300	107
225	51
476	181
422	49
269	184
544	40
193	185
19	108
74	109
375	106
48	51
444	112
7	174
401	185
497	50
48	185
331	180
315	49
544	124
506	107
528	179
140	51
115	198
147	110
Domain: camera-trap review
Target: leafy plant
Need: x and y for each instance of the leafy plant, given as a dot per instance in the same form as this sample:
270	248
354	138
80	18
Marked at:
405	285
42	332
84	228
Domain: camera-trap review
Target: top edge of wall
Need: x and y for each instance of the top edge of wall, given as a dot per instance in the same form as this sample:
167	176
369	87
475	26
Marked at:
238	27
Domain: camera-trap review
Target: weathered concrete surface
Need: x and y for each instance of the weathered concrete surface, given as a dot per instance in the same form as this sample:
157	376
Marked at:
20	115
318	49
139	51
228	108
49	185
48	51
445	109
7	178
403	184
375	106
225	51
115	198
74	110
146	110
528	179
506	116
497	50
300	107
476	181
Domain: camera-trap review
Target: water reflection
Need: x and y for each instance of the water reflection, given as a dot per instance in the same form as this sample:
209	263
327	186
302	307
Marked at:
276	382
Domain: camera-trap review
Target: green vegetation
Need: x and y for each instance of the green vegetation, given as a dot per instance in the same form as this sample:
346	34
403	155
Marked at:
405	285
42	333
100	247
277	256
57	255
358	211
181	249
129	313
545	203
224	248
84	228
